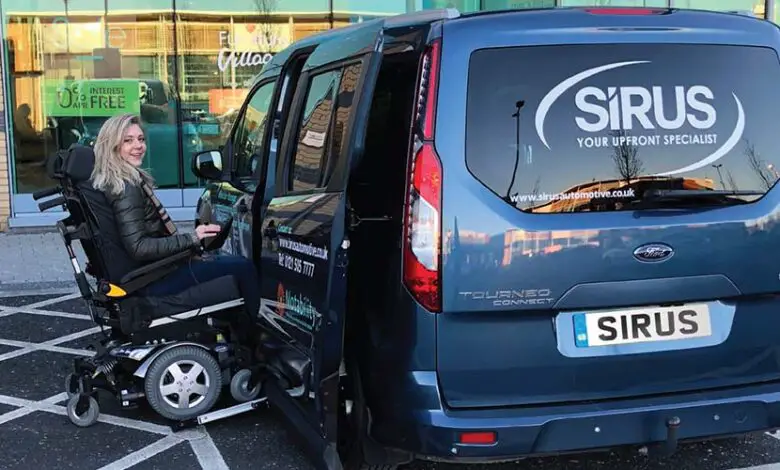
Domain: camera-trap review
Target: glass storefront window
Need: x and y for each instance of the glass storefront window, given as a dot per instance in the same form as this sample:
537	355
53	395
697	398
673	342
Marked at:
756	7
615	3
516	4
78	62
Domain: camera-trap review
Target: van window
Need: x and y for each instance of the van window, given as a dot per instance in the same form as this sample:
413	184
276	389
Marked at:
248	149
350	77
313	131
612	127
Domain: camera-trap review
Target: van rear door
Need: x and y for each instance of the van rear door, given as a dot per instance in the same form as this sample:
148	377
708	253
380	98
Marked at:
611	217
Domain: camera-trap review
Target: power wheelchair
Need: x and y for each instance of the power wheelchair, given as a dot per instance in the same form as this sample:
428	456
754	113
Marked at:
177	352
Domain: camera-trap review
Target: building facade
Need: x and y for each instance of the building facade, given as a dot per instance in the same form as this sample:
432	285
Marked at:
183	65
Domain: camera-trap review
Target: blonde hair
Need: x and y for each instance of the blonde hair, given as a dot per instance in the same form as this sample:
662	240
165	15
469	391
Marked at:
111	172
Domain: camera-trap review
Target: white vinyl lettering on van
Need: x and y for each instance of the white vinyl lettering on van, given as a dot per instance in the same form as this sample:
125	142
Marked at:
619	107
615	110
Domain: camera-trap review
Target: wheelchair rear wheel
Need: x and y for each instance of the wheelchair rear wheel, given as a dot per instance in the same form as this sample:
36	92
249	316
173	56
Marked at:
183	383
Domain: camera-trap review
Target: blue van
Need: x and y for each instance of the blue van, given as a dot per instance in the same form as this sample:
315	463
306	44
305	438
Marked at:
504	234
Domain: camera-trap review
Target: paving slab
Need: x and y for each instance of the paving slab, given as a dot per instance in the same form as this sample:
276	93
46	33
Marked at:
36	259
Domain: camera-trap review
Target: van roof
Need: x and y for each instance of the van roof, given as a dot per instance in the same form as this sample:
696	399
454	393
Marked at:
565	21
587	25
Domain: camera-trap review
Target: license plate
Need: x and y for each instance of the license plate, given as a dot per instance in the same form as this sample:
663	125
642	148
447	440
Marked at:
641	325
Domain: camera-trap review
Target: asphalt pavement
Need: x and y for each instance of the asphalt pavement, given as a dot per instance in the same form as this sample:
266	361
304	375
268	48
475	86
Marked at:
40	334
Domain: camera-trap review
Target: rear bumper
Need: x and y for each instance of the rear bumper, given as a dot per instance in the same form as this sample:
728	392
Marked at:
533	431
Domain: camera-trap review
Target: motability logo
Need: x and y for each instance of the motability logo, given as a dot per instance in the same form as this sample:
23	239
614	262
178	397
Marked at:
617	108
299	305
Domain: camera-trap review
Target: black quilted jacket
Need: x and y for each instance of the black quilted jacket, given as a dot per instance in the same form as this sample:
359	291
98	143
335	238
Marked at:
142	231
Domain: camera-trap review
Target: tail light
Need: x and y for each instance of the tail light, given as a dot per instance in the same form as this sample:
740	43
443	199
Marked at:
422	218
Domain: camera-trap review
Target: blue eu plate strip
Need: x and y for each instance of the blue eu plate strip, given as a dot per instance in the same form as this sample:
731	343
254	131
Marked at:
580	330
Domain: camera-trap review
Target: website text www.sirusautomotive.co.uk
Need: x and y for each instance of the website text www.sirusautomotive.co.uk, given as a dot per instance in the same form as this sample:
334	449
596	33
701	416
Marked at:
545	197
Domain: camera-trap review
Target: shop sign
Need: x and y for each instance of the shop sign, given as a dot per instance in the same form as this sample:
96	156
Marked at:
95	98
228	58
251	46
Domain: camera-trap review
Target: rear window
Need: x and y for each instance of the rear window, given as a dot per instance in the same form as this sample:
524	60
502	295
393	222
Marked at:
585	128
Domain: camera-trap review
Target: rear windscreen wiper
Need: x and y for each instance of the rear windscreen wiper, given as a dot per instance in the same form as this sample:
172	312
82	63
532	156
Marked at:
696	193
689	197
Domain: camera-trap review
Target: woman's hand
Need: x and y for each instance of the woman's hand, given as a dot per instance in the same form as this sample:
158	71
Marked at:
206	230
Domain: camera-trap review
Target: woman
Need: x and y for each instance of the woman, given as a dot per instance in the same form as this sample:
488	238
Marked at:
147	232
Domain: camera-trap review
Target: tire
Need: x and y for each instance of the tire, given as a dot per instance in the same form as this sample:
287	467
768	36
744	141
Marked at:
239	389
89	417
161	387
73	385
353	457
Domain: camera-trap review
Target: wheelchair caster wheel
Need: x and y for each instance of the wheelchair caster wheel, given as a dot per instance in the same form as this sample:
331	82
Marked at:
239	386
76	413
183	383
73	385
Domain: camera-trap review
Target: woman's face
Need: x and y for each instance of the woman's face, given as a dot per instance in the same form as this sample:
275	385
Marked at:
133	146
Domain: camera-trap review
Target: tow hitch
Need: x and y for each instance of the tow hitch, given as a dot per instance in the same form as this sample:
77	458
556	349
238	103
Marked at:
668	447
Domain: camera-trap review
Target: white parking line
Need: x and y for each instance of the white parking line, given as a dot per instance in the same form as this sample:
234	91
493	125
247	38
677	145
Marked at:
56	300
52	313
143	454
208	454
203	446
17	353
133	424
30	347
72	336
12	415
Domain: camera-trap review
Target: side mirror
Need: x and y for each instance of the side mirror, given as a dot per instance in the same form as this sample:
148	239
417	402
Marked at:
208	165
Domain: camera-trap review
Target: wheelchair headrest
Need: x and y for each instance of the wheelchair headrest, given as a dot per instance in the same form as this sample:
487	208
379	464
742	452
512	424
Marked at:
75	163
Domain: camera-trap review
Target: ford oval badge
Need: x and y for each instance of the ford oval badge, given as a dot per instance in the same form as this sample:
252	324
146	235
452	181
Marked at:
653	252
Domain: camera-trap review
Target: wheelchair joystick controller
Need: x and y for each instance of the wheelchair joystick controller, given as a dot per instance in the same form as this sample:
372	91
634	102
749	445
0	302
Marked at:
217	241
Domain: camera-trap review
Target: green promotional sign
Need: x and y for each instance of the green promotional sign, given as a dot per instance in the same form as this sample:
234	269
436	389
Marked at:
92	98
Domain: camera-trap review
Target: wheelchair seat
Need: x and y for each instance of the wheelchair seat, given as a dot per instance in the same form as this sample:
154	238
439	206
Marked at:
120	293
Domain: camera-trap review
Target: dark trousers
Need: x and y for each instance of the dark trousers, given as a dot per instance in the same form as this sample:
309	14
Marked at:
209	268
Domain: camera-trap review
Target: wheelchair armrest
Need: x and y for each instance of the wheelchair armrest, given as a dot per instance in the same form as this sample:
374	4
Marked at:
151	272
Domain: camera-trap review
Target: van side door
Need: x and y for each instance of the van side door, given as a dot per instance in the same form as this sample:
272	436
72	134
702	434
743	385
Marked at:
304	240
